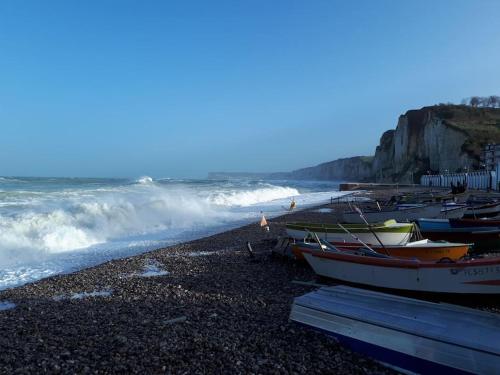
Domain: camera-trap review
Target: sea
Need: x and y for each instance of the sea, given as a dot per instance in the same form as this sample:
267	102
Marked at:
50	226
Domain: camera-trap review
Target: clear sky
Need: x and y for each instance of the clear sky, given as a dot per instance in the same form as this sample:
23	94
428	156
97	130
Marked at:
179	88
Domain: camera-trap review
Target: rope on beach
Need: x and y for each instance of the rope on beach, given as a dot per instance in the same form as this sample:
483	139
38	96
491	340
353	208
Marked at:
416	233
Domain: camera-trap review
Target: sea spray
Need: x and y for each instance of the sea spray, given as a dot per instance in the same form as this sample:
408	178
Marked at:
49	226
74	222
249	197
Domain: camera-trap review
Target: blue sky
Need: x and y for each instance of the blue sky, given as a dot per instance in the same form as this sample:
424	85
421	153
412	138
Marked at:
177	89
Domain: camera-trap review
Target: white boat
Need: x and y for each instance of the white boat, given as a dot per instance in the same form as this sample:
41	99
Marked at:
419	336
421	249
404	213
389	233
472	276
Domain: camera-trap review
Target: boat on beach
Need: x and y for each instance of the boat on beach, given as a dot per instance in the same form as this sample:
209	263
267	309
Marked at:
403	213
485	210
422	249
483	236
469	222
367	267
389	232
420	336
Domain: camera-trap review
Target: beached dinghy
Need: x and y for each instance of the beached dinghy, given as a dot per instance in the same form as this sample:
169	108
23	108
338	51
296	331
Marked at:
461	223
484	210
483	236
389	233
473	276
422	249
423	337
404	213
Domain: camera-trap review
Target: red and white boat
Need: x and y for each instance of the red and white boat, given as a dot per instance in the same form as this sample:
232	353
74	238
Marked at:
474	276
422	249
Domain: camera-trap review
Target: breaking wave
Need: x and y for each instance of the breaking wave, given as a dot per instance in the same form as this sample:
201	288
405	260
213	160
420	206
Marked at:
64	221
75	223
145	180
58	225
10	180
250	197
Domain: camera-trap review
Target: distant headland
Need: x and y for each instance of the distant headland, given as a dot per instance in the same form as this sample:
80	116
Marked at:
440	138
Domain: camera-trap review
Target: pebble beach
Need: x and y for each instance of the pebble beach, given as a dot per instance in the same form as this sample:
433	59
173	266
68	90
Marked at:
200	307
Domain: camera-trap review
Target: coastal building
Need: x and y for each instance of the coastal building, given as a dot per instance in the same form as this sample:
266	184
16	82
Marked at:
490	157
488	177
490	161
482	180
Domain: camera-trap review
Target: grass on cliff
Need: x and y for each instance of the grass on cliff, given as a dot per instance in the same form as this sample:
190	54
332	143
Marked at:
366	159
481	125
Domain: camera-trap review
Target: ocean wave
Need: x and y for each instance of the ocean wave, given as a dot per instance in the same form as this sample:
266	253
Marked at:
68	220
74	222
11	180
245	198
145	180
45	231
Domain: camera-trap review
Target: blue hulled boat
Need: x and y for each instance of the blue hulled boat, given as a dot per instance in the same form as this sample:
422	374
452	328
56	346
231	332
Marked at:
415	335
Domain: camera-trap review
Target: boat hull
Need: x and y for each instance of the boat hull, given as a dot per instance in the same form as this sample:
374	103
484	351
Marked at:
483	237
391	356
466	277
420	249
481	241
468	222
487	210
405	214
427	251
404	332
394	235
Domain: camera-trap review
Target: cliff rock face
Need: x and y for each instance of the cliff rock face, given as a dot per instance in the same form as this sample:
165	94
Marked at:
441	138
382	167
438	138
357	168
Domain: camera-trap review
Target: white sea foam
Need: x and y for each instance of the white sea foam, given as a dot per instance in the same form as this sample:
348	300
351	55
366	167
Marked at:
70	221
152	269
45	232
98	293
10	180
82	295
77	222
251	197
145	180
200	253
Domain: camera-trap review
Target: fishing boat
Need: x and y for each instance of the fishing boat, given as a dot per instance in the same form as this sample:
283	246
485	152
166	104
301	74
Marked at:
403	213
484	210
422	249
389	232
367	267
482	236
419	336
466	222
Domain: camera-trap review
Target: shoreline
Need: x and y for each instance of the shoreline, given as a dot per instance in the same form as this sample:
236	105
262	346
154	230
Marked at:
35	245
216	311
202	306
